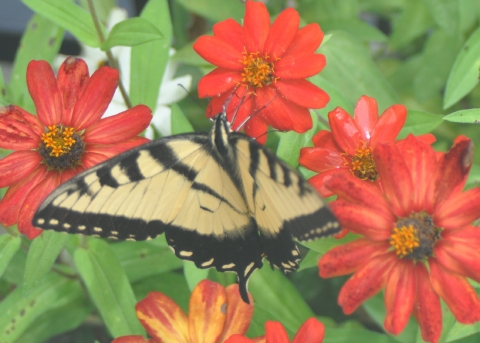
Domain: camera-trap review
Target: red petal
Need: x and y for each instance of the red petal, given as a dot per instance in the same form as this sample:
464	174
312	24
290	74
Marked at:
19	130
256	26
389	125
219	53
362	220
257	128
302	93
273	108
42	86
163	319
459	210
469	234
427	308
455	168
347	258
422	163
231	32
218	81
17	166
239	313
312	331
275	332
318	181
120	127
320	159
366	117
395	178
344	130
218	103
72	78
299	66
399	296
12	201
427	138
33	201
366	282
324	139
92	159
132	339
457	292
282	33
95	98
306	41
300	117
111	150
206	312
459	258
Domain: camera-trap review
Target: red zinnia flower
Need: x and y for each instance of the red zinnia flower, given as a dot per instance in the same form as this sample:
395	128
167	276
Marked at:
312	331
66	137
421	219
265	67
215	313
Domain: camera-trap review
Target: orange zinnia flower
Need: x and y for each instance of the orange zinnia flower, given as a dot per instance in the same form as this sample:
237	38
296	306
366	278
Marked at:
419	243
66	137
215	313
265	67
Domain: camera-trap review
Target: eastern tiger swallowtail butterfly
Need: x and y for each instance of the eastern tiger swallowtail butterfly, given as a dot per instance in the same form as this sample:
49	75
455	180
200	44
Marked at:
222	200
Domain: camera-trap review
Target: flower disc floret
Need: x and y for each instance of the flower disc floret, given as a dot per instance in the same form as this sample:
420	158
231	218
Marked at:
61	148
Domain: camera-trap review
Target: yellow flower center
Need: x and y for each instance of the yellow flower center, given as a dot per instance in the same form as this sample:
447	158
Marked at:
404	240
58	139
362	164
257	71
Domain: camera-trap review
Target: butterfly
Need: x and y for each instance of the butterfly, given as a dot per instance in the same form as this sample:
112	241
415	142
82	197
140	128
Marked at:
222	200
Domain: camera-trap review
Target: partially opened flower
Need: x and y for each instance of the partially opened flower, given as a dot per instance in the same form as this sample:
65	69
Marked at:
418	241
66	137
261	71
312	331
215	313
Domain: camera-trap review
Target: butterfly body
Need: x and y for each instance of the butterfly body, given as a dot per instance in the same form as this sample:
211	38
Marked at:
221	199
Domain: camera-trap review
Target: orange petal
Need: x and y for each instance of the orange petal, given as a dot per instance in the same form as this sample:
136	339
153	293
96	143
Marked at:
163	319
312	331
238	339
275	333
133	339
239	313
207	312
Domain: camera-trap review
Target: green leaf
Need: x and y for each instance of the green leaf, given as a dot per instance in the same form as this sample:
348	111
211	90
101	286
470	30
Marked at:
180	123
471	116
42	254
310	260
108	287
19	312
131	32
215	10
419	123
356	28
69	16
193	275
446	14
149	60
3	90
464	75
359	75
347	333
40	41
8	247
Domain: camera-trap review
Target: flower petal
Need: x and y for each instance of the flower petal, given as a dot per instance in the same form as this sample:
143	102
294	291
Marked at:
239	313
231	32
427	308
302	92
366	117
11	203
163	319
366	282
347	258
95	98
72	78
399	296
256	26
132	339
457	292
299	66
17	166
33	201
218	81
320	159
312	331
300	119
459	210
111	150
459	258
257	128
395	178
318	181
282	32
344	130
219	53
42	86
275	332
274	109
19	130
118	128
237	339
324	139
206	312
389	125
306	41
